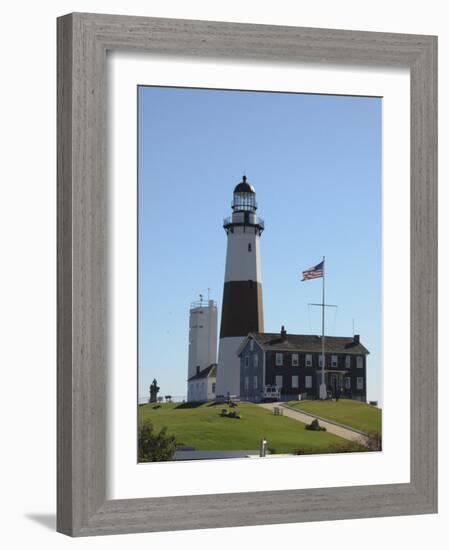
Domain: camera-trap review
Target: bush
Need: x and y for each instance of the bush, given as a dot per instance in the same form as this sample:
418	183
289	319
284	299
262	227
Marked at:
373	441
345	447
230	414
155	447
314	426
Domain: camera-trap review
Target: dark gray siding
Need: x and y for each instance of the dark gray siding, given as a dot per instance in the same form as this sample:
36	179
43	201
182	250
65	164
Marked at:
248	370
287	370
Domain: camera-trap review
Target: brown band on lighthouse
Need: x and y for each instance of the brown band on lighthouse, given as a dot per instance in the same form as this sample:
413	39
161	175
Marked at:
242	310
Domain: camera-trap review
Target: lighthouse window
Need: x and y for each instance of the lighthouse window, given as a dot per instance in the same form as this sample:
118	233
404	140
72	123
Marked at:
256	360
249	247
360	362
359	382
279	359
308	360
308	382
295	360
255	382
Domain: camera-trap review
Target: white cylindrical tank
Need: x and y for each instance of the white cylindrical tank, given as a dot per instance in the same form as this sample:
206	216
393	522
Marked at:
202	336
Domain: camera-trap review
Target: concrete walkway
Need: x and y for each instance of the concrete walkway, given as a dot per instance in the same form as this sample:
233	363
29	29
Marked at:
345	433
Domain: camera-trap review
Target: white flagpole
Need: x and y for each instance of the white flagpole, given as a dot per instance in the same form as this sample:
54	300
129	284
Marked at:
323	390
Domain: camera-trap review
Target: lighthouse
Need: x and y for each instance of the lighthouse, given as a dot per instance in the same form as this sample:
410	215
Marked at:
242	310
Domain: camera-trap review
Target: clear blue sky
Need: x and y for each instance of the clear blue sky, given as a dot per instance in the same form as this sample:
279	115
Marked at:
315	162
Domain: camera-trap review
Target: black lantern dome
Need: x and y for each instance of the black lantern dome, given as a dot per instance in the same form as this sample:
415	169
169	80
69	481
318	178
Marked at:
244	187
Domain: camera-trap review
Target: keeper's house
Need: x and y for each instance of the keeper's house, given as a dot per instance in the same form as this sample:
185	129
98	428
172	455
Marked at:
288	366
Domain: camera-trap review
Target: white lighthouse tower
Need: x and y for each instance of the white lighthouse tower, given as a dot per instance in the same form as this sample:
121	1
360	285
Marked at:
242	310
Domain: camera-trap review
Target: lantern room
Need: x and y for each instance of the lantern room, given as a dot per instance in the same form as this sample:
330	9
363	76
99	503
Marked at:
244	197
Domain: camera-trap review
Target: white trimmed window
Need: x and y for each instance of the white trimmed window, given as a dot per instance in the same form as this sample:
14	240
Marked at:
255	382
348	361
308	381
246	382
309	360
279	381
360	382
347	383
251	344
295	360
295	381
246	360
279	359
359	362
334	361
255	360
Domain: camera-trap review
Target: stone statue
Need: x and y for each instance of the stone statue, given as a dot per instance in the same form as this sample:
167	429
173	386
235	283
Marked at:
154	388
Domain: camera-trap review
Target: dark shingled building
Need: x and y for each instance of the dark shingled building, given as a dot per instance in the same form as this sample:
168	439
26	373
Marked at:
292	364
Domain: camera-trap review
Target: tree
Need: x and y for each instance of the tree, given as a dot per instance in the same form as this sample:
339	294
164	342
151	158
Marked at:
155	447
154	388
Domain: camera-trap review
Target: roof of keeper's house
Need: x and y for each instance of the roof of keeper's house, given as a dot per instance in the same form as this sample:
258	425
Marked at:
276	341
211	370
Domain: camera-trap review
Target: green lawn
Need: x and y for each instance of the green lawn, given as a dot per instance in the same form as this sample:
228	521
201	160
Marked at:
345	411
202	427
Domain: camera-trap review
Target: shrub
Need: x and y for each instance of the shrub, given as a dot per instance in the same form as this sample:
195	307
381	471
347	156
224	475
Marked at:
314	426
373	441
230	414
155	447
345	447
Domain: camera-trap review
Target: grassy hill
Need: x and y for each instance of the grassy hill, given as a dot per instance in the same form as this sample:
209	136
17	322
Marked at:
344	411
202	427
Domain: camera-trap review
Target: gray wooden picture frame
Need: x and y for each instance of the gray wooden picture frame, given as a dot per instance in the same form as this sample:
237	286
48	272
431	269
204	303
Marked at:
83	40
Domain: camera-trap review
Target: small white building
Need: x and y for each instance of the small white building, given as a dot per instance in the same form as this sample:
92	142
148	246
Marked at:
201	386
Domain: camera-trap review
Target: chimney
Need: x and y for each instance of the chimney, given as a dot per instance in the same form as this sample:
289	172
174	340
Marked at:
356	338
283	333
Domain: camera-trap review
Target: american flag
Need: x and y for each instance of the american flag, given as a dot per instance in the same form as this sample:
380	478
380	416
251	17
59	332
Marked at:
314	272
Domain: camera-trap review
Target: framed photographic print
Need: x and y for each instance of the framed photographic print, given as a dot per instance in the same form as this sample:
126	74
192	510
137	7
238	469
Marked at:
246	274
